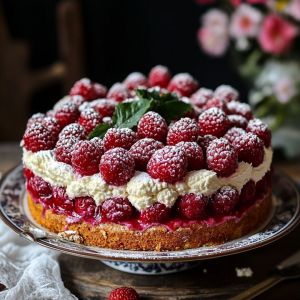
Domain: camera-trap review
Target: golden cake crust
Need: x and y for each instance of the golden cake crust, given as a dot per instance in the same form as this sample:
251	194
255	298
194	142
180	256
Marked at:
156	238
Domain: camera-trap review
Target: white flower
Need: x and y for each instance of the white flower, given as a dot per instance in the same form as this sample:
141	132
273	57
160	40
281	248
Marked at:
215	19
245	22
284	89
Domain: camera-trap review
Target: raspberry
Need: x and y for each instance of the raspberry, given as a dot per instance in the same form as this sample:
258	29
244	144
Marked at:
192	206
259	128
74	130
89	119
184	130
159	76
88	90
152	125
119	137
156	213
142	151
201	97
234	134
213	121
194	155
124	293
116	166
61	202
250	149
38	137
237	108
168	164
238	121
85	157
84	206
226	93
247	195
224	200
183	84
215	102
77	100
39	188
52	124
104	107
221	157
36	118
63	149
67	113
117	209
119	92
27	173
264	184
135	80
205	140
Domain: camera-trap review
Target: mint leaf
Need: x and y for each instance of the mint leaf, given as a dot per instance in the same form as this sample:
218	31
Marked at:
173	109
128	114
100	130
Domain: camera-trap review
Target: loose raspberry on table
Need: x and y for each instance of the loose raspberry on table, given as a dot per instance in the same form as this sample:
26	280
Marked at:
184	130
205	140
88	90
152	125
116	166
89	119
118	92
237	108
192	206
247	195
39	188
156	213
35	118
119	137
86	155
200	97
74	130
194	154
213	121
250	148
224	201
238	121
261	129
183	84
226	93
221	157
67	113
117	209
63	149
123	293
215	102
104	107
142	151
168	164
135	80
84	206
159	76
234	134
38	137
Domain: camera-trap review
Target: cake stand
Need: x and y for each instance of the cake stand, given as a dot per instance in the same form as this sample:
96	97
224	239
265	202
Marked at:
283	219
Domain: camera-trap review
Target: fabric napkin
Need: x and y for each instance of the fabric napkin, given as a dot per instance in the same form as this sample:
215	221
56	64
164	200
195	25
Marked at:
29	271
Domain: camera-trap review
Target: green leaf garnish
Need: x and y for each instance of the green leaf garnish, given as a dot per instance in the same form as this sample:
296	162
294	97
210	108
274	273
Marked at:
128	114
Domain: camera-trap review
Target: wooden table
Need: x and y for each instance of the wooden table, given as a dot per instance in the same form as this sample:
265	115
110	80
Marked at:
215	279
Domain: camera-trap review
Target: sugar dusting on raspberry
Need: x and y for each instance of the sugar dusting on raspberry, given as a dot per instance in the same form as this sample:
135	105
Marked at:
224	200
116	209
135	80
104	107
200	97
261	129
184	130
233	134
183	83
226	93
237	108
118	92
67	113
156	213
89	119
194	155
159	76
73	130
238	121
119	137
63	149
35	118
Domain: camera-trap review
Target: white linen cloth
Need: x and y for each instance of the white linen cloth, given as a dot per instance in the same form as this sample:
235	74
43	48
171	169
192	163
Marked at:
29	271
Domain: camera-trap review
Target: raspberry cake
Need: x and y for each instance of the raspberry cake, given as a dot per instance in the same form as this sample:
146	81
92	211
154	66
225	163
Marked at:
153	163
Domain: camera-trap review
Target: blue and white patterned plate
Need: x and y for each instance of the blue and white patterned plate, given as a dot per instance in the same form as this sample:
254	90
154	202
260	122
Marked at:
284	217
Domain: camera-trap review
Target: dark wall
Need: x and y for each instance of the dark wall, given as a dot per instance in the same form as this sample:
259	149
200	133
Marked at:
121	37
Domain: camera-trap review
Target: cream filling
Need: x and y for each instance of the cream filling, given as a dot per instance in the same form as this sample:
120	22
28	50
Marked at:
142	190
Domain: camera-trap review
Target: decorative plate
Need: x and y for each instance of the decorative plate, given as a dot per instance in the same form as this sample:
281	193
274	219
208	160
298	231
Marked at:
284	217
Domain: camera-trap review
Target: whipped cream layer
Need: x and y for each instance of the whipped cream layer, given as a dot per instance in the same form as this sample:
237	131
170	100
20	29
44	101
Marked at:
142	190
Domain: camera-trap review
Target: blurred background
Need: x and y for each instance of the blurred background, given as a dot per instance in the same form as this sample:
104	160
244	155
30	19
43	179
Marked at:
47	45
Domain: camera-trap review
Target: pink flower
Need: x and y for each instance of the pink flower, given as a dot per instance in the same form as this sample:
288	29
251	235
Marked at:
213	36
276	35
245	22
284	90
294	9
